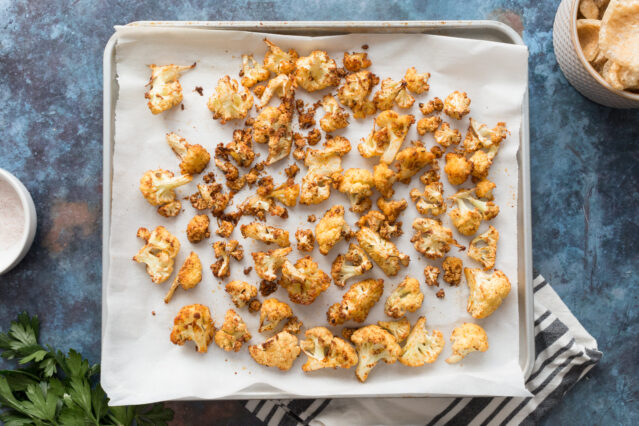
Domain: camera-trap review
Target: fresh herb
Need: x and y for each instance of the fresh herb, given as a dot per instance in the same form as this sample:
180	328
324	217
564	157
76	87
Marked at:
50	388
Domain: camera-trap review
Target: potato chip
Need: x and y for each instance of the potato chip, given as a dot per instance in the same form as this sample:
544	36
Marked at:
588	33
599	61
589	9
619	33
628	78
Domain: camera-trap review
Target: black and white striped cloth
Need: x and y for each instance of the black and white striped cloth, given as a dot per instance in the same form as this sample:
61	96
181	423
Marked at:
564	351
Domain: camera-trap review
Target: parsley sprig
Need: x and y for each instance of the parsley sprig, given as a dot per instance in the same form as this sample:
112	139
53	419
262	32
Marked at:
50	388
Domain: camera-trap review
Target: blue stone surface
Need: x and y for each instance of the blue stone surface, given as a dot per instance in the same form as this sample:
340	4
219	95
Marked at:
585	176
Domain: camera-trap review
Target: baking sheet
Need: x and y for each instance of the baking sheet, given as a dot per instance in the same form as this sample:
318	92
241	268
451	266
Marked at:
160	370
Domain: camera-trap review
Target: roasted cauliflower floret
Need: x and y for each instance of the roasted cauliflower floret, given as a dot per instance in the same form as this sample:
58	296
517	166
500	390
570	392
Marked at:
316	71
484	189
267	263
434	105
377	222
171	209
386	141
353	264
467	338
467	221
211	196
265	233
229	101
279	351
374	344
322	166
391	209
241	147
411	160
252	72
355	91
286	193
487	291
158	253
480	136
432	274
241	292
452	267
257	205
225	226
356	302
189	276
457	105
358	185
457	168
445	136
273	126
194	157
165	90
293	325
223	253
428	125
335	116
382	251
305	239
416	82
432	239
194	323
326	351
431	201
234	181
392	92
406	297
304	281
233	333
399	329
158	186
277	61
356	61
384	178
272	313
331	228
421	347
280	86
483	248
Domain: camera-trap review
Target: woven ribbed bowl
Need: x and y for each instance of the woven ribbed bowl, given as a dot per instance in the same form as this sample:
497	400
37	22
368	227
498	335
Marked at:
577	70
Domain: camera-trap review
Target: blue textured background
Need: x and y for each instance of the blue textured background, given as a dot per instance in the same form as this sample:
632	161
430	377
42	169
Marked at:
585	175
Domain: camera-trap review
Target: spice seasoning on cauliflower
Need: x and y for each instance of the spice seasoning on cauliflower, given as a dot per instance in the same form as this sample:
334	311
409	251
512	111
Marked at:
293	325
241	292
467	221
223	252
331	228
267	263
292	170
254	306
305	115
265	233
316	71
194	157
411	160
355	91
353	264
392	92
467	338
189	276
158	253
432	239
210	196
305	239
457	168
399	329
233	333
273	312
234	181
252	72
484	189
377	222
356	302
240	148
194	323
303	281
225	226
335	117
273	126
158	186
165	90
457	105
434	105
487	291
356	61
432	274
374	344
326	351
483	248
322	165
286	193
386	141
416	82
445	136
257	205
452	267
267	288
428	125
280	86
382	251
392	208
171	209
358	185
421	347
384	178
431	201
406	297
277	61
229	102
279	351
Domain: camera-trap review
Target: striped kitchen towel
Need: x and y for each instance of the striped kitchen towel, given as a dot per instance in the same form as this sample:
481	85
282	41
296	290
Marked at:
564	351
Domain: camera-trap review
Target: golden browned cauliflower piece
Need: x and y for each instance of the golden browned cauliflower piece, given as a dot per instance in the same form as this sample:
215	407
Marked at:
487	291
481	160
331	228
265	233
194	157
303	281
229	102
480	136
483	248
428	125
382	251
158	186
279	351
353	264
277	61
286	193
335	116
386	141
434	105
431	201
316	71
267	263
467	338
432	274
411	160
322	166
392	92
399	329
171	209
211	196
356	61
374	344
257	205
445	136
391	209
484	189
233	333
272	313
377	222
358	185
241	292
384	178
280	86
457	168
234	181
305	239
224	228
355	91
422	348
252	72
273	126
467	221
452	267
326	351
431	238
416	82
158	253
194	323
165	90
406	297
240	148
457	105
223	253
356	302
189	276
293	325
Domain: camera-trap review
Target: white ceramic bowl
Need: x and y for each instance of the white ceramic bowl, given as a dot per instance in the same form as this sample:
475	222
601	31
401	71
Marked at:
577	70
10	258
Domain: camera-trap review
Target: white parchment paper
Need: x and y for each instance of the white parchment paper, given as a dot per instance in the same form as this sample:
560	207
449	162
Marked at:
140	364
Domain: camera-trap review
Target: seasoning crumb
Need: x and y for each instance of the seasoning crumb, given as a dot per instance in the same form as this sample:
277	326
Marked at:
254	305
199	90
182	107
440	294
364	46
153	313
247	270
267	287
311	218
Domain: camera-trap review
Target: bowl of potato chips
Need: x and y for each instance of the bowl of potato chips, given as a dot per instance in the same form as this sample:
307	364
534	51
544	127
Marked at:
597	47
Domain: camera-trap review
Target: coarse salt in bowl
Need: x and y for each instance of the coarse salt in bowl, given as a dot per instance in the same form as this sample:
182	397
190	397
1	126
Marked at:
18	221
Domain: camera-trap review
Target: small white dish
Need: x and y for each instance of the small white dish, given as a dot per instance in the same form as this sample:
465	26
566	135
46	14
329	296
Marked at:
10	257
